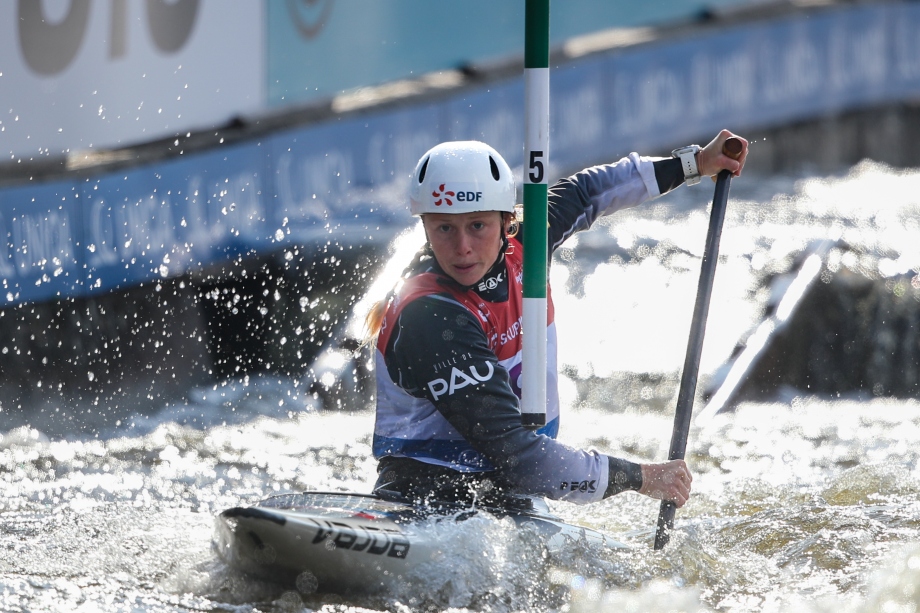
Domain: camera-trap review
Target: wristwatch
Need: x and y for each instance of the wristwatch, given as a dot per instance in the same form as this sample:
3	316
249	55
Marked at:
687	156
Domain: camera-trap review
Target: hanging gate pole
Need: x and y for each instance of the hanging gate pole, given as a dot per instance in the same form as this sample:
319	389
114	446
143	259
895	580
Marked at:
536	258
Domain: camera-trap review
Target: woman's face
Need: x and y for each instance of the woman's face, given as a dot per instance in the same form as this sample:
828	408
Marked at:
465	245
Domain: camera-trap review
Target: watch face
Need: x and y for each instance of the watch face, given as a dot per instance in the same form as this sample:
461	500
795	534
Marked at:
688	149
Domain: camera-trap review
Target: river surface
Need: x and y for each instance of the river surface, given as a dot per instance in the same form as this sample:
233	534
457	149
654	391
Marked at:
801	503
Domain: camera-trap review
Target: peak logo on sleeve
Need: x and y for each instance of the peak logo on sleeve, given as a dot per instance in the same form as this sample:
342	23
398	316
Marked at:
459	378
579	486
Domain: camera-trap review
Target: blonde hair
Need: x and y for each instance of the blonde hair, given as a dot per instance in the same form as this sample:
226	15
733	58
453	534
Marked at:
373	321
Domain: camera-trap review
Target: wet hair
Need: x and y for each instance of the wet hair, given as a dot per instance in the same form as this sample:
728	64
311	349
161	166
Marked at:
373	321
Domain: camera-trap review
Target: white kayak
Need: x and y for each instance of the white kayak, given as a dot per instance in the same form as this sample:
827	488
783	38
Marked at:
361	543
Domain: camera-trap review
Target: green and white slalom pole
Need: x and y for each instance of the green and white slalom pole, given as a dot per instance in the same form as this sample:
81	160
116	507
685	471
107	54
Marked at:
536	156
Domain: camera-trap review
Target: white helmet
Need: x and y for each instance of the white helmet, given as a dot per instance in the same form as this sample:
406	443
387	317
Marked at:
461	177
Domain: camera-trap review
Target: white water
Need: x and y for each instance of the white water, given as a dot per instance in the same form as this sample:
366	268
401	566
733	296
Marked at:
803	504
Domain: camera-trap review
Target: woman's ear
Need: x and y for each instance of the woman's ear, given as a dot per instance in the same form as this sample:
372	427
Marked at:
510	224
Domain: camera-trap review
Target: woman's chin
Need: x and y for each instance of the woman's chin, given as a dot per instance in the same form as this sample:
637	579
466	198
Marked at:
466	277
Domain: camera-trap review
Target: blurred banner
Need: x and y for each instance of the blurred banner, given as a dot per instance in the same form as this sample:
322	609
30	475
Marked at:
91	74
82	74
320	48
343	180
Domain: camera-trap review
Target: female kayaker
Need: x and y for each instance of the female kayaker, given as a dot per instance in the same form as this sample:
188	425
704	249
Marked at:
448	337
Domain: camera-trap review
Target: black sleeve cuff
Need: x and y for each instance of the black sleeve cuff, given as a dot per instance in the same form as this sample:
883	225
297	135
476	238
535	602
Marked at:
668	173
624	475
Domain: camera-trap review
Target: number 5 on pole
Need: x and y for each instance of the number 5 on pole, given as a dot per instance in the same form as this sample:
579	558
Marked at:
536	167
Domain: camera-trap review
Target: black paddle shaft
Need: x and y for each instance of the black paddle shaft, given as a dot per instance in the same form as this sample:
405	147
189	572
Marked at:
690	373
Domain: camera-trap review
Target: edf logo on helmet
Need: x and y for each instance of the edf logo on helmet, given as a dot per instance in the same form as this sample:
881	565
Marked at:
49	47
443	195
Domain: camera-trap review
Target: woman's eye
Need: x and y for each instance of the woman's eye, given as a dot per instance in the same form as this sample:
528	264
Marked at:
444	228
478	225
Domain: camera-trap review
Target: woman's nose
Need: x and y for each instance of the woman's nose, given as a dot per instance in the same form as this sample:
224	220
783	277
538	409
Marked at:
463	242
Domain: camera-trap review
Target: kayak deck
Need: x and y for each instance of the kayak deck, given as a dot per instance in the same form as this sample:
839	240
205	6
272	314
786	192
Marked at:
358	542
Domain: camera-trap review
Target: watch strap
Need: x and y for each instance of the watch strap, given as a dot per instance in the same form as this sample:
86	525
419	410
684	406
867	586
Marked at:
687	157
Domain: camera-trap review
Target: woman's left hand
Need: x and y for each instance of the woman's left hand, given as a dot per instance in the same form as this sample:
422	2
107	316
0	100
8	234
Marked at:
667	481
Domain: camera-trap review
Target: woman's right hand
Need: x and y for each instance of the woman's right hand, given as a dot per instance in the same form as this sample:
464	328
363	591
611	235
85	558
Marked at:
711	159
668	481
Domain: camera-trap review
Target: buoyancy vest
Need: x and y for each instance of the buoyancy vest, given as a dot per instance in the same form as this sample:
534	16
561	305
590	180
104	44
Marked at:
409	425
